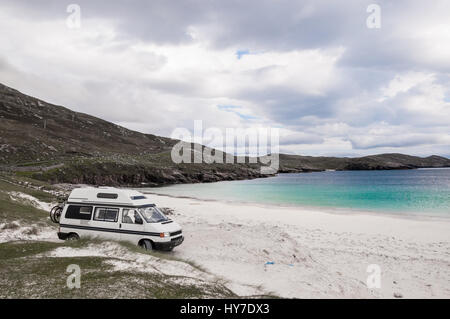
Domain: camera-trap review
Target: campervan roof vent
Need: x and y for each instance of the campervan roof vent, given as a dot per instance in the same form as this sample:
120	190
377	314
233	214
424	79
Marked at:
107	195
138	197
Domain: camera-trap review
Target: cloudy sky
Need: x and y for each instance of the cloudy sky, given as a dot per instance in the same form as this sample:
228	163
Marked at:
313	69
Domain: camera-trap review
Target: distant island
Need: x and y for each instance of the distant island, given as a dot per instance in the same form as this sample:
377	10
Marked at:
51	143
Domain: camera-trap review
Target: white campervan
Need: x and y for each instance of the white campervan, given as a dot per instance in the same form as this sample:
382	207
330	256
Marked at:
117	214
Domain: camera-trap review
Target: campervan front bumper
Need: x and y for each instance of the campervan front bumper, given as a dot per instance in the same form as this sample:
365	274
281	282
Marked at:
169	244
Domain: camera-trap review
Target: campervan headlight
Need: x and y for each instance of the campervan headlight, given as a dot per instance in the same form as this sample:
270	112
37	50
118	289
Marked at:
162	235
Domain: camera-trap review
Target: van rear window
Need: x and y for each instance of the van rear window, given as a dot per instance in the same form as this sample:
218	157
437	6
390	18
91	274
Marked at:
79	212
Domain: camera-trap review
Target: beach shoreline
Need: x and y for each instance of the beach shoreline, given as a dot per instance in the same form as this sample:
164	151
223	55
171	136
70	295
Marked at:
325	209
295	252
415	195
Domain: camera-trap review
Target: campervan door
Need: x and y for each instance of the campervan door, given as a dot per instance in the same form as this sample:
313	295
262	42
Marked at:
105	222
132	222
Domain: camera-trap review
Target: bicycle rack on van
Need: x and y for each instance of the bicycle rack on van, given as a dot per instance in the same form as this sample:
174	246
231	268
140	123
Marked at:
55	212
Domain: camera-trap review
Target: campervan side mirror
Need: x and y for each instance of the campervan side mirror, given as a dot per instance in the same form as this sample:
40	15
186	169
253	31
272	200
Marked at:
139	220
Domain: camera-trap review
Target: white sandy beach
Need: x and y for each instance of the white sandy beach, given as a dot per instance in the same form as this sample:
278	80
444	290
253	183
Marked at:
315	254
311	253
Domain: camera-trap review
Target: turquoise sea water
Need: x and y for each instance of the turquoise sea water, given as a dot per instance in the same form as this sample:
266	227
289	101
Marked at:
422	191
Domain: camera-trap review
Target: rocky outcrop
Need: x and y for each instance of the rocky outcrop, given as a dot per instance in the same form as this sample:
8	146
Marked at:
144	175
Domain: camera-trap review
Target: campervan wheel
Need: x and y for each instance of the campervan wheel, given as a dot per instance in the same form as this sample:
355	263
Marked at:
146	244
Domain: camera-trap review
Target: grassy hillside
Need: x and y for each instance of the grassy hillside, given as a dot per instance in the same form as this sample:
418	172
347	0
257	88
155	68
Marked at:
33	130
52	143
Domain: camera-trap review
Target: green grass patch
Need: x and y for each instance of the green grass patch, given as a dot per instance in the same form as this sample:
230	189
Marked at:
25	272
13	250
16	211
41	163
20	210
8	184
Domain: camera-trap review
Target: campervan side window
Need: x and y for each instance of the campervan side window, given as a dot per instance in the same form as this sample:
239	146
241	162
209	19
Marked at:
106	214
79	212
131	216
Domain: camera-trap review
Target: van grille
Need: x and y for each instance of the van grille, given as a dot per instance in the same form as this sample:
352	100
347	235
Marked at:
175	233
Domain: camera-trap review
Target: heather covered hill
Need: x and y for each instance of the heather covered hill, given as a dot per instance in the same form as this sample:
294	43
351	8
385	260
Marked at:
52	143
33	130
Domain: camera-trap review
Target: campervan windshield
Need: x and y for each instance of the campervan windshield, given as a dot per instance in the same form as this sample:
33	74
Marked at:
152	214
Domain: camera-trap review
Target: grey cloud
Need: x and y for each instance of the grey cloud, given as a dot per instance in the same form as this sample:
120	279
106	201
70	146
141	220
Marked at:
393	141
371	59
300	138
261	25
157	21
